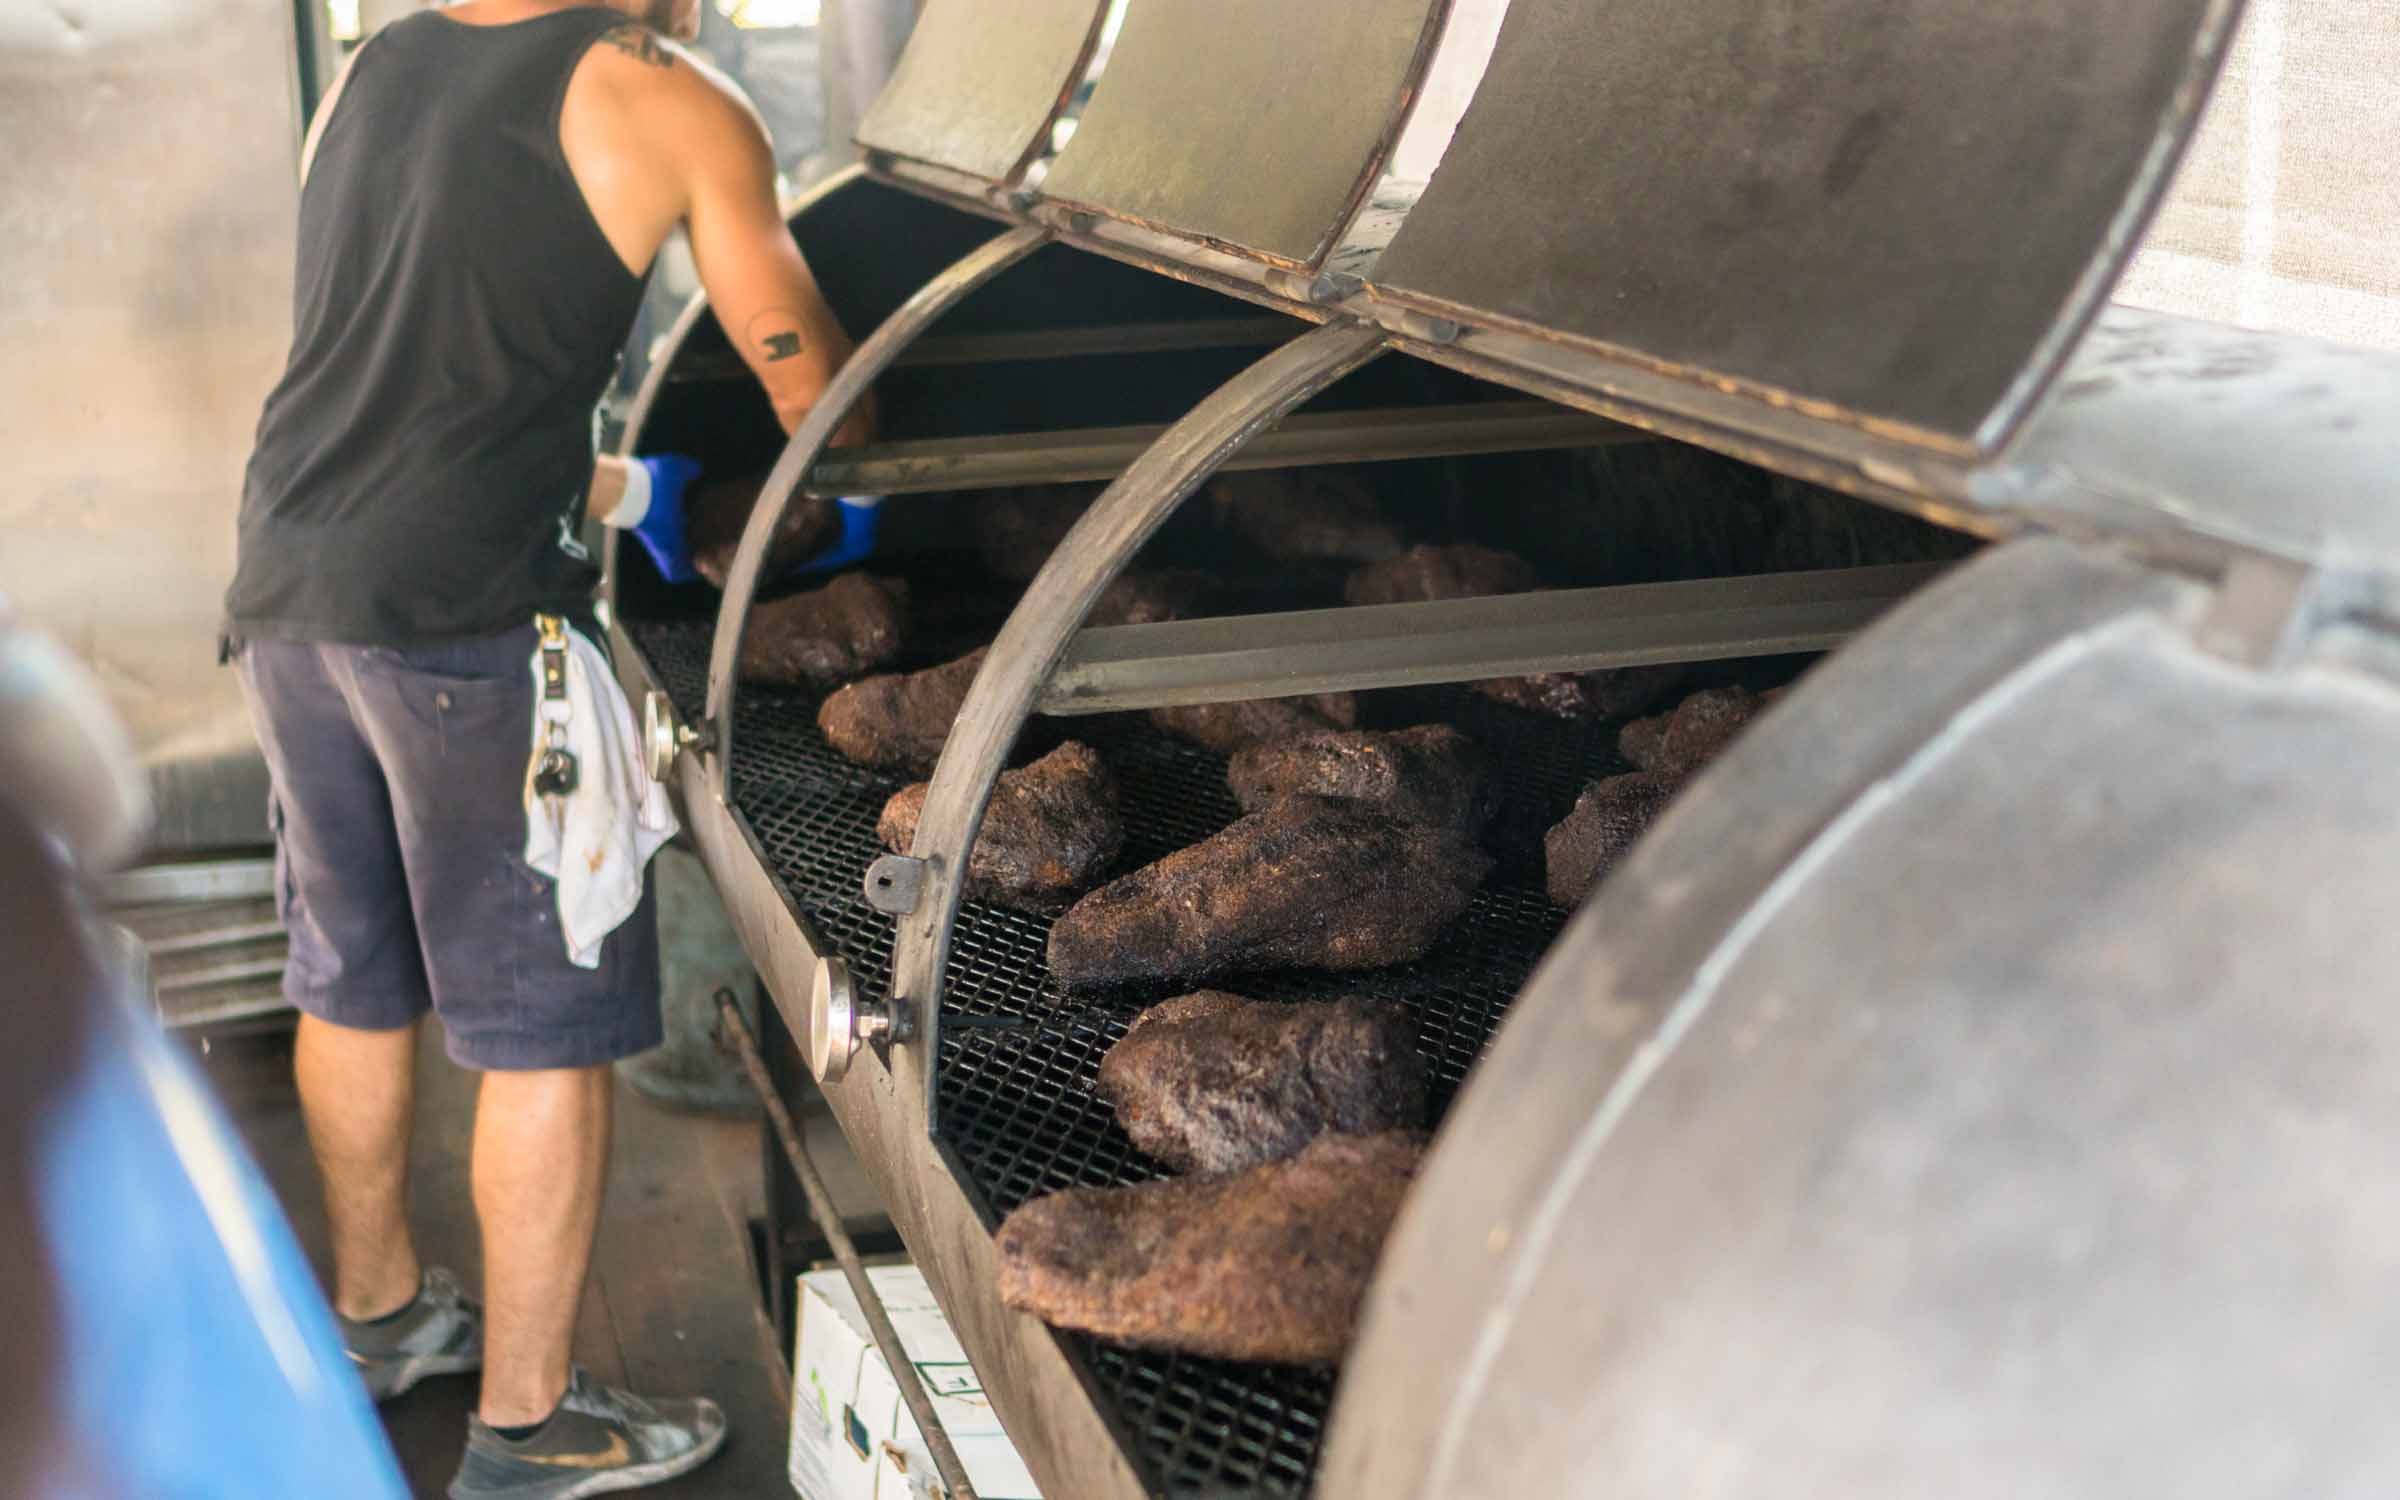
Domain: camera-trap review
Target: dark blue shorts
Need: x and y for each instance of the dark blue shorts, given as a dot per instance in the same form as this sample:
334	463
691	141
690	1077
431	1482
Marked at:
398	781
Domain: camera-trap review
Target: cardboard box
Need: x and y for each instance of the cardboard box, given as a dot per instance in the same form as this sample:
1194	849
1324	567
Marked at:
852	1437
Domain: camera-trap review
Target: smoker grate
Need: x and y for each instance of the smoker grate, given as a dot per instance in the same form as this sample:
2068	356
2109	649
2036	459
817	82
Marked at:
1015	1093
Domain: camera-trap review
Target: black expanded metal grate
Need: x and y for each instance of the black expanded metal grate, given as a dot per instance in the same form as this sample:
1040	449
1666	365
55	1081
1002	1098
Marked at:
1015	1081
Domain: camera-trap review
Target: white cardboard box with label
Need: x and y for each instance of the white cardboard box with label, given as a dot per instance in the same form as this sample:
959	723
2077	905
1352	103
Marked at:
852	1438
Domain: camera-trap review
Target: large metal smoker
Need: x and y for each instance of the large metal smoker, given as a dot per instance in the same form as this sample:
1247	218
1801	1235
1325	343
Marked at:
1980	1082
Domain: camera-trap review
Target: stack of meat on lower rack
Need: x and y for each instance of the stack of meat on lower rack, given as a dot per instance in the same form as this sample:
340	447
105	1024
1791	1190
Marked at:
1294	1127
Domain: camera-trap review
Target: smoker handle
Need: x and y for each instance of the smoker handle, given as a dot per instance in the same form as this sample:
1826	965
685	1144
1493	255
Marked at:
734	1027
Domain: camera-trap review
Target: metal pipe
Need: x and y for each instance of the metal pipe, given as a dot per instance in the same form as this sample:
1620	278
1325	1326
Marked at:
897	332
1030	645
1079	342
1285	655
734	1028
1335	437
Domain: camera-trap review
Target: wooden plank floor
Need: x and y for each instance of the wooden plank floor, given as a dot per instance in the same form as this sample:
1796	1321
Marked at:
671	1306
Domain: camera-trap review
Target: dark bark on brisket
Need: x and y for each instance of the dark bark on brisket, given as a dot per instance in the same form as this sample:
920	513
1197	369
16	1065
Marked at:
1608	818
1312	882
1429	774
1679	742
718	510
1604	694
1227	727
1426	572
1052	827
849	627
1304	515
1017	530
1271	1264
899	723
1213	1082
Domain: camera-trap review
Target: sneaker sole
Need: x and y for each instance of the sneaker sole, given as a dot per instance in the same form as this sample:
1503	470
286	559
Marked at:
631	1477
385	1381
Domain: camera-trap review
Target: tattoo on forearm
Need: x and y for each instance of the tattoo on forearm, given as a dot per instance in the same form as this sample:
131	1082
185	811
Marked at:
640	43
776	336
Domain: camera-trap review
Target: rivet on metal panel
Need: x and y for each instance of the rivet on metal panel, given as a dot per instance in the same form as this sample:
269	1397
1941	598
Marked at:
1079	222
893	884
1018	200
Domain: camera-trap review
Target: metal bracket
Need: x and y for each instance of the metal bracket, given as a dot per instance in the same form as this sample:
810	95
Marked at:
894	883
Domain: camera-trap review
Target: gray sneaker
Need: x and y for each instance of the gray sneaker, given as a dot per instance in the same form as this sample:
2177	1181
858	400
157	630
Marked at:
599	1441
441	1333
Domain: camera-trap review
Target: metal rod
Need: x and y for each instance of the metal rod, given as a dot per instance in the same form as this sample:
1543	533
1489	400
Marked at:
1469	640
953	285
735	1028
1041	344
1028	648
1093	453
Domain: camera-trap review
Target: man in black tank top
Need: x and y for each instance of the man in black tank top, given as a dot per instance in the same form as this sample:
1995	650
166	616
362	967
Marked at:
483	193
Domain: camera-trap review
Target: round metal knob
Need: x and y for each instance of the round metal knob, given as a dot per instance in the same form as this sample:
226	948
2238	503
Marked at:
840	1021
662	738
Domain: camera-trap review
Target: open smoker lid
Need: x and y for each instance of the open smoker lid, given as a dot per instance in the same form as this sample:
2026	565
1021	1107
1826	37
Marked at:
979	85
1257	126
1859	229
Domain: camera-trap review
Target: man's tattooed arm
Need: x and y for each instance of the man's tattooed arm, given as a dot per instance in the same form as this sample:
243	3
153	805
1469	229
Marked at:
775	333
640	43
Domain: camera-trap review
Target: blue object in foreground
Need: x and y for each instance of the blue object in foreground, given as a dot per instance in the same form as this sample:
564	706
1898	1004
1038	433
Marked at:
201	1360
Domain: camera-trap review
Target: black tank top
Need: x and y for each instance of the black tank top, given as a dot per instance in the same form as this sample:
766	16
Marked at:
421	467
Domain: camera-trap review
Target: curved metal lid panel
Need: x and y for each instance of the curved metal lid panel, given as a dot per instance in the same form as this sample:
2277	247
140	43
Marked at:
980	83
1987	1088
1258	124
1884	212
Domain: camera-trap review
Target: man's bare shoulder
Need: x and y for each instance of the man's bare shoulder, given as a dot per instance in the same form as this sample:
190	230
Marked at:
673	85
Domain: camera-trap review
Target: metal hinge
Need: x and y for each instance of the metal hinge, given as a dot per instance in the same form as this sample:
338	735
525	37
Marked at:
2268	608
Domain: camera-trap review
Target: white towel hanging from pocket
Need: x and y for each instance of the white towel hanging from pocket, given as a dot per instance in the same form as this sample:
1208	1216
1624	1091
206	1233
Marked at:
593	840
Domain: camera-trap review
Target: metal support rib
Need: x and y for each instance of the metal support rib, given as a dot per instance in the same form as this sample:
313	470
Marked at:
876	355
1036	635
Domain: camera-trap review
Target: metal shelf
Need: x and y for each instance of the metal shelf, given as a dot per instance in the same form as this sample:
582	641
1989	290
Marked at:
1100	453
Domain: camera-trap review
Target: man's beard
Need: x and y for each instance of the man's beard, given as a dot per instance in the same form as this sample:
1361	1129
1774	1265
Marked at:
659	16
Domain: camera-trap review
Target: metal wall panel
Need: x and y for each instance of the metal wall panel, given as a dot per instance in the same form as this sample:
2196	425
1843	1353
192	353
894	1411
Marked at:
1881	211
1257	123
980	83
146	232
